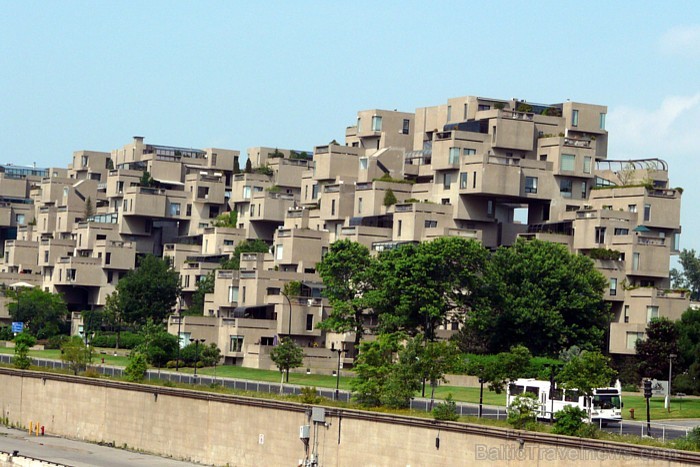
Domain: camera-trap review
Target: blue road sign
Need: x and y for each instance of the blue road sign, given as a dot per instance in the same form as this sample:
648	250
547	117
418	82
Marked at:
17	326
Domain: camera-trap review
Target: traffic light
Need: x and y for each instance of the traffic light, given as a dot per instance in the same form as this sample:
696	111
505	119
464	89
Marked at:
647	388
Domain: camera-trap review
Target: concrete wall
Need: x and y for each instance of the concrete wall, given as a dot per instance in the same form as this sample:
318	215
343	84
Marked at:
232	430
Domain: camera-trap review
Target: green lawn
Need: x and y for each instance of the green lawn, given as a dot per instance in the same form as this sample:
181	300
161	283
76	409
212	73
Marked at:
109	358
687	407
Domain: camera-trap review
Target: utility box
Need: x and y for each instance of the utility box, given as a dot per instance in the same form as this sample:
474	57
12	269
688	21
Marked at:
304	432
318	415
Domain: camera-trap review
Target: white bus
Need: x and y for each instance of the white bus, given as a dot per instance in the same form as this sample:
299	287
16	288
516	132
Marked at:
607	402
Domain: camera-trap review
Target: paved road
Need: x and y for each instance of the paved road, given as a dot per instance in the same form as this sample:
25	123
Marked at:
77	453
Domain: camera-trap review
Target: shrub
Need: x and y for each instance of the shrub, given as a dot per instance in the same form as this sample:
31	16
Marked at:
91	373
523	411
127	340
136	368
55	342
310	395
446	410
570	421
6	333
23	342
691	442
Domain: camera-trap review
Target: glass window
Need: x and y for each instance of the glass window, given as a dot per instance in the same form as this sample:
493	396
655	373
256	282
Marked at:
584	189
484	107
635	262
314	191
246	192
359	205
602	121
236	344
627	314
469	152
454	156
587	164
530	184
332	207
359	126
600	234
652	312
565	188
449	113
398	232
446	180
19	218
613	286
363	163
376	123
568	162
174	209
621	231
632	207
574	117
463	180
406	126
430	224
232	293
647	212
489	208
279	252
309	322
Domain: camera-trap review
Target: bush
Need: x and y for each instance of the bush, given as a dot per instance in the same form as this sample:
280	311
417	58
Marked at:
569	421
310	395
91	373
127	340
691	442
136	368
55	342
539	367
446	410
6	333
522	412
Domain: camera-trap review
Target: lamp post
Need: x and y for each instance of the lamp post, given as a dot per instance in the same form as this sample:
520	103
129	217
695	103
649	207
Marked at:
179	341
481	395
196	353
289	320
670	371
337	374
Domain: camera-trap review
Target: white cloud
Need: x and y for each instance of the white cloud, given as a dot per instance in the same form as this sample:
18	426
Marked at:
681	40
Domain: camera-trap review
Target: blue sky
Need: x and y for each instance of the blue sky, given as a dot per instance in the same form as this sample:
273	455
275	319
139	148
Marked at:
90	75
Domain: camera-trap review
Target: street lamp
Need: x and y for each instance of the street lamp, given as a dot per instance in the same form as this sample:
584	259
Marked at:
179	341
670	371
289	320
481	395
196	353
337	374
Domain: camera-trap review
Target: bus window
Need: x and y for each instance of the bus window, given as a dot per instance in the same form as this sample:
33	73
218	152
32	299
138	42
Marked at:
558	395
533	390
514	389
571	395
606	401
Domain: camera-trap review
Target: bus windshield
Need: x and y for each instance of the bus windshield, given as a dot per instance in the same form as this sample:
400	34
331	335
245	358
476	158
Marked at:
606	401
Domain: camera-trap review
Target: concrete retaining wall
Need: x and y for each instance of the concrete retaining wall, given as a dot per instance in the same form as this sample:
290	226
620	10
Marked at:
220	429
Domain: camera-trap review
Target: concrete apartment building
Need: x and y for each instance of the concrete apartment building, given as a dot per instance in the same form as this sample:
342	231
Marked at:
487	169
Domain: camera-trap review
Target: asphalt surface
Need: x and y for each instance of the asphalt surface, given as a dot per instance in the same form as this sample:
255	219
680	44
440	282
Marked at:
77	453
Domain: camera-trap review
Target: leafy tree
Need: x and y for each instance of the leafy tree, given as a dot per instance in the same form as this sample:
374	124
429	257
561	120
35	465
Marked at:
389	198
226	219
417	287
76	354
149	291
211	355
344	271
446	410
89	209
437	359
654	351
689	277
136	368
158	345
522	412
236	166
506	367
586	372
372	368
204	286
248	166
146	180
543	296
571	421
246	246
23	342
43	313
288	354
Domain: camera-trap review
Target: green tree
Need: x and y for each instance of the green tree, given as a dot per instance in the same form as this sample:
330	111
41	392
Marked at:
43	313
149	291
654	351
505	367
76	354
543	296
226	219
211	355
146	180
136	368
373	367
689	276
89	209
522	412
689	345
571	421
389	198
159	347
344	271
287	355
204	286
446	410
23	342
417	287
586	372
248	166
246	246
437	359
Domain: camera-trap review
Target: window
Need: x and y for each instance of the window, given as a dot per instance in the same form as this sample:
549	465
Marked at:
359	205
468	151
279	252
474	180
568	162
676	242
602	121
449	113
236	344
46	256
398	232
376	123
574	117
466	107
463	180
647	212
489	208
621	231
635	262
243	295
332	207
565	188
584	189
652	312
430	224
84	161
19	218
613	286
232	293
446	180
246	192
632	207
530	184
600	234
359	125
314	191
108	258
363	163
626	317
587	164
252	209
632	338
174	209
454	156
309	322
267	341
484	107
406	126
